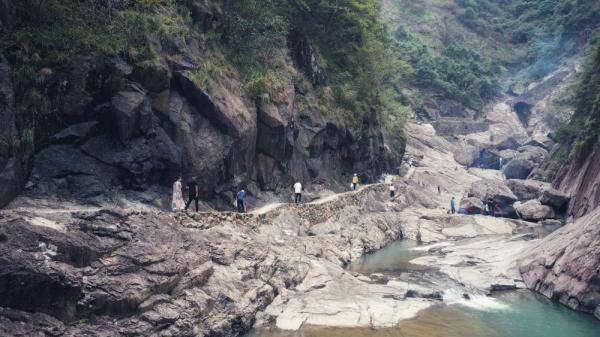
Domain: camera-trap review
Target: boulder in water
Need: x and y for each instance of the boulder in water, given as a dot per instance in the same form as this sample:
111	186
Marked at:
533	210
527	189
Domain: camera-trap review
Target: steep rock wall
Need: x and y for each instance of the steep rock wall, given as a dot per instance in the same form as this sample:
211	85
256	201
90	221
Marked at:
565	266
580	178
126	126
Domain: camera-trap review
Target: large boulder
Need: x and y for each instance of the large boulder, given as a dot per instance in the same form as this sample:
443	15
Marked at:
528	158
527	189
518	168
506	156
533	210
496	190
130	109
540	141
509	143
554	198
466	155
487	159
472	205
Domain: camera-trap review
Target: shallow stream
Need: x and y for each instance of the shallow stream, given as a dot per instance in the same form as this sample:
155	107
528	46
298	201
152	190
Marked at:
509	314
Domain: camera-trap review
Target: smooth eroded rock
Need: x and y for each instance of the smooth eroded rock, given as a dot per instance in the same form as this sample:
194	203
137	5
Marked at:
527	189
533	210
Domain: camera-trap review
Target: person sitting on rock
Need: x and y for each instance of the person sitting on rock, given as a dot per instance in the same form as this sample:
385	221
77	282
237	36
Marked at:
193	193
239	198
297	192
355	181
452	206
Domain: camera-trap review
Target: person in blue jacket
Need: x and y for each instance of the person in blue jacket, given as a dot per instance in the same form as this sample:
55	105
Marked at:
240	201
452	205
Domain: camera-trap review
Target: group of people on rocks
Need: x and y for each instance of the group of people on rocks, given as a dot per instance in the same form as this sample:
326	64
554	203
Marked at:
490	207
178	204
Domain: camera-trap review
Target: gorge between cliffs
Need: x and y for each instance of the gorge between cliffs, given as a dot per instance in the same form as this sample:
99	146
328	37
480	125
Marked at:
89	245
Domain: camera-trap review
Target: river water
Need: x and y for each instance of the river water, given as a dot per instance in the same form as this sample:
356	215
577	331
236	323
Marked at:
509	314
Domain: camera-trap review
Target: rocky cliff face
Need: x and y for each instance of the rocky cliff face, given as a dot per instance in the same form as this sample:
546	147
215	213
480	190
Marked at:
122	125
11	170
580	178
565	265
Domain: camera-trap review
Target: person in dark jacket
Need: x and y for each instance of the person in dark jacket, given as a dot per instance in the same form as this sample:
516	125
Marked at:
193	193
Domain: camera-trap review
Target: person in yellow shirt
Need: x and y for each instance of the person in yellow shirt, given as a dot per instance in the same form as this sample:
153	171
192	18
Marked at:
355	181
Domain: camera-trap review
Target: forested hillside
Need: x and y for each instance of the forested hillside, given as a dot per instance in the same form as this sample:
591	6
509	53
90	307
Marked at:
459	50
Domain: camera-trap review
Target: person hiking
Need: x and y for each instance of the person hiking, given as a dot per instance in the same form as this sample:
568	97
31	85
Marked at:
239	198
392	190
439	190
497	210
355	181
193	193
177	203
297	192
452	205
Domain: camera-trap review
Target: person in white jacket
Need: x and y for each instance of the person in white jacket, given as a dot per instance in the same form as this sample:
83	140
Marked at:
177	203
297	192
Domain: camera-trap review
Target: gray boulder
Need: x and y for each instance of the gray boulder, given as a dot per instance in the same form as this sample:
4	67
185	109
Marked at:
473	205
528	158
518	168
509	143
535	153
540	141
554	198
533	210
507	155
527	189
499	193
487	159
129	107
466	155
77	133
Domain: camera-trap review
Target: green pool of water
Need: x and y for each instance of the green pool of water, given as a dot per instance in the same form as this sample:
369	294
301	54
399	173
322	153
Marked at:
526	315
516	313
